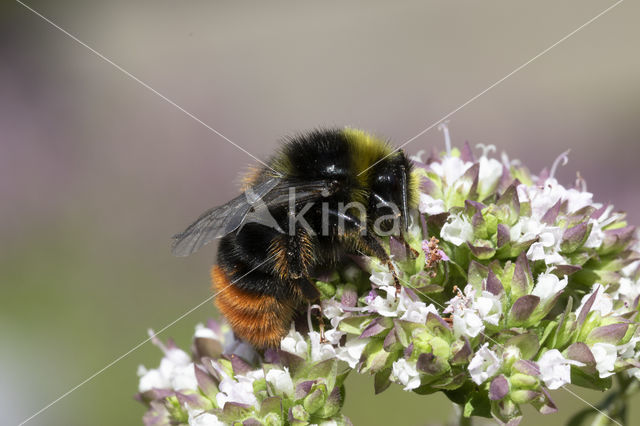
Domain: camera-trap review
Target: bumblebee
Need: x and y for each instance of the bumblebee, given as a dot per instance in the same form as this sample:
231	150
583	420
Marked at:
324	194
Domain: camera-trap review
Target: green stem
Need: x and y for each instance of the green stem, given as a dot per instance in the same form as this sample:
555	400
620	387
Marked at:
628	386
462	420
615	406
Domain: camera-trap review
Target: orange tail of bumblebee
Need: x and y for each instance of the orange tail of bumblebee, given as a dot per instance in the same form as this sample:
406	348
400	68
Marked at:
257	318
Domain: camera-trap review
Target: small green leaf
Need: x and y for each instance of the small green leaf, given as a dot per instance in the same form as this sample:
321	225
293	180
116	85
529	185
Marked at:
477	274
580	378
316	399
479	405
355	325
527	343
381	380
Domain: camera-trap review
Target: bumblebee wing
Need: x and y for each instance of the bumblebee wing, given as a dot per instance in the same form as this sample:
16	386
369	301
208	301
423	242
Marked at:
288	193
219	221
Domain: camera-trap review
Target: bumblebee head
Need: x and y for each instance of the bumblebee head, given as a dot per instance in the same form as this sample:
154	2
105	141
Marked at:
390	194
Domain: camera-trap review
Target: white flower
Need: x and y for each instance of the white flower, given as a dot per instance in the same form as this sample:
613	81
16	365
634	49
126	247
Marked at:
202	418
628	270
628	290
469	312
184	377
332	310
430	206
320	351
233	345
537	251
489	175
555	370
466	320
205	332
175	356
635	372
281	380
489	307
484	364
457	230
294	343
151	379
605	355
596	236
238	390
549	238
525	229
176	369
450	169
417	312
406	374
382	278
628	350
390	305
579	199
602	303
542	198
467	323
417	156
385	306
352	351
548	286
333	336
414	310
461	300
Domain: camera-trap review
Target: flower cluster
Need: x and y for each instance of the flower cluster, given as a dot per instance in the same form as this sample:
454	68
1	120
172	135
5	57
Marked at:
225	381
512	284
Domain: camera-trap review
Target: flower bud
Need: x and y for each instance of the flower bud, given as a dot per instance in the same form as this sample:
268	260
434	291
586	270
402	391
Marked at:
523	396
523	381
316	399
297	414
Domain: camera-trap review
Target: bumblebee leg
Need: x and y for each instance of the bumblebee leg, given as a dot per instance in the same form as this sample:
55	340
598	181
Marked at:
294	257
373	246
368	243
308	289
415	253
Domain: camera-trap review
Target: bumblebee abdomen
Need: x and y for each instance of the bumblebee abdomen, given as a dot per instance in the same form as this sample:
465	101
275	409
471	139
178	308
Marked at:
260	319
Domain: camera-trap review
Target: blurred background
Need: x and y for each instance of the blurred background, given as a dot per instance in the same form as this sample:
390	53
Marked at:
97	172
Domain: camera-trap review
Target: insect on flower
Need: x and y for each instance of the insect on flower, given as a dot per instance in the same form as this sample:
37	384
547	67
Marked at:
324	194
